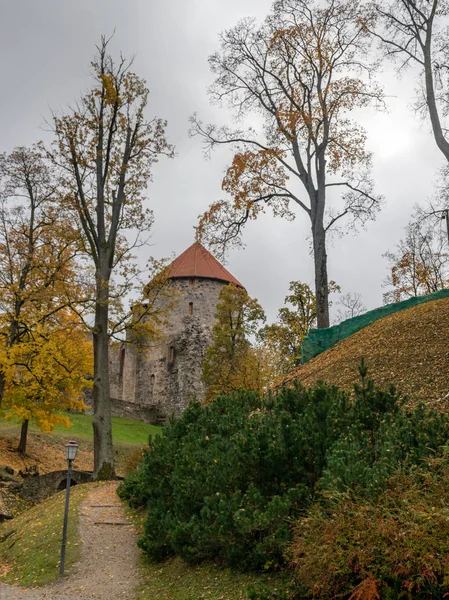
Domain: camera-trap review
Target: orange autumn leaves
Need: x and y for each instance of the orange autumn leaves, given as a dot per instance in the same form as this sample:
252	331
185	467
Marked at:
252	177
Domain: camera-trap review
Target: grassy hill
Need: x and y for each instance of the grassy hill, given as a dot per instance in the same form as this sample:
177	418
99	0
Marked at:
47	451
409	349
30	544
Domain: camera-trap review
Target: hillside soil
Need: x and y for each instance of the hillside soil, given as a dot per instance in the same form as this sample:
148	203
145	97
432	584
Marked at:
108	568
409	349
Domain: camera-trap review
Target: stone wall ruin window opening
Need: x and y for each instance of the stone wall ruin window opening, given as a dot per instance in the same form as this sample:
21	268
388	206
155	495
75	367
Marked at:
152	378
121	357
190	308
171	354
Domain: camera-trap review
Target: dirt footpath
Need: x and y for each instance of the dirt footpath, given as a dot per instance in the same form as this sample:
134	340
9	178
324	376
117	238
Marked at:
108	567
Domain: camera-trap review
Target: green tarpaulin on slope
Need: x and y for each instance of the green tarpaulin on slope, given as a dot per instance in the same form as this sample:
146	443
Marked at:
319	340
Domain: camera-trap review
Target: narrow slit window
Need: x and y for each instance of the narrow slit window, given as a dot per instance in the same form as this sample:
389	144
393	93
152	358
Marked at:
122	361
151	383
171	354
190	308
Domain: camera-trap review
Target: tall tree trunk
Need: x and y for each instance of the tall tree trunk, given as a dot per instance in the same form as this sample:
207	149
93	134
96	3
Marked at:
321	279
318	203
23	438
437	127
103	449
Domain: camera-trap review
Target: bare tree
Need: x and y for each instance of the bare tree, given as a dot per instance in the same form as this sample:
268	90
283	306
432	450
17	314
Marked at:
435	213
105	149
419	264
416	32
350	305
301	72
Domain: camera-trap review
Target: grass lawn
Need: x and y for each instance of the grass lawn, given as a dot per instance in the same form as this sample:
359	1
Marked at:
30	548
30	554
174	579
127	431
46	451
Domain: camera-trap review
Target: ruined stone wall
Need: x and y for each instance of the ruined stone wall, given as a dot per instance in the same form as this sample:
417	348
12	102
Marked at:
161	381
115	370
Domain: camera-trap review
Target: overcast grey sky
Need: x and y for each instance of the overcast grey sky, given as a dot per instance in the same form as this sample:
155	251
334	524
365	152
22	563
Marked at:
46	47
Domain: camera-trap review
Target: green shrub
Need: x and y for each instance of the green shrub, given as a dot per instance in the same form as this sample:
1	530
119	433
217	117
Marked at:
225	481
381	438
397	547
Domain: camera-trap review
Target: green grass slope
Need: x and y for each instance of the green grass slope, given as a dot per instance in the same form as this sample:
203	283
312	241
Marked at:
47	451
31	543
127	431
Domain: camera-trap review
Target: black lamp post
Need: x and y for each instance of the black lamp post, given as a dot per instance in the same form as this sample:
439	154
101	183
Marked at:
70	453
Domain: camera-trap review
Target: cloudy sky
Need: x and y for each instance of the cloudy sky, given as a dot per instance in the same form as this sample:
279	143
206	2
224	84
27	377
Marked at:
46	47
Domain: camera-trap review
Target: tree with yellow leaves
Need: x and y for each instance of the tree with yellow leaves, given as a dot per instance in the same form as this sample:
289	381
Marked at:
104	151
301	74
39	270
46	373
284	338
231	362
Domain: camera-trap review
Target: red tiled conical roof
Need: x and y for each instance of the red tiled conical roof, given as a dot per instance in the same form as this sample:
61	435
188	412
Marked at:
196	261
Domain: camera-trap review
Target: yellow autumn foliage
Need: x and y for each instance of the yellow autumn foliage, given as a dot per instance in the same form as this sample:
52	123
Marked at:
232	363
47	373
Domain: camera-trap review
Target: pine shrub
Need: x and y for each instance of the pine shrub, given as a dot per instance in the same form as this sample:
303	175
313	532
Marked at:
226	481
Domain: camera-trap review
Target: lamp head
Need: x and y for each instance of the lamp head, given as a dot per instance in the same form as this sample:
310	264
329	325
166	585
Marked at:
70	450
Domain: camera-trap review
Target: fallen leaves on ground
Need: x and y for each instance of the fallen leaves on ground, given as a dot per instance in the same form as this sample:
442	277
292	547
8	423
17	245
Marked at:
409	349
46	452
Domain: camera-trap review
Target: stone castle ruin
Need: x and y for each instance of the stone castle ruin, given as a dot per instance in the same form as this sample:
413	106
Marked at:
161	380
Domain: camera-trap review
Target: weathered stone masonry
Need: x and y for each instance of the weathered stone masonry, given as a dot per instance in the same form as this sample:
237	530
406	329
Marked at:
160	381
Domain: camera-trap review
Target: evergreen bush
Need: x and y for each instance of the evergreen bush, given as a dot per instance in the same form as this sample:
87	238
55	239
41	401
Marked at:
226	481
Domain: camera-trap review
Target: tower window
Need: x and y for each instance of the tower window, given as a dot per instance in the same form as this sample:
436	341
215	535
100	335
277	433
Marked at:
171	354
121	360
190	308
152	384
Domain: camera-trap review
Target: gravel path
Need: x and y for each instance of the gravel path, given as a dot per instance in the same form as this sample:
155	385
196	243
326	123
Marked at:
108	567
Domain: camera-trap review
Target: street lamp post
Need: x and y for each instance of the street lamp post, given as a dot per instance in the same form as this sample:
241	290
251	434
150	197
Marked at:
70	453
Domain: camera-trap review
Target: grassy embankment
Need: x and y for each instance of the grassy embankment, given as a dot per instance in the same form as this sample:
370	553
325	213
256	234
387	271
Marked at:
31	543
407	349
46	451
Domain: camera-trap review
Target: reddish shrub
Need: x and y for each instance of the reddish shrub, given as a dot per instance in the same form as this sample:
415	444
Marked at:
395	548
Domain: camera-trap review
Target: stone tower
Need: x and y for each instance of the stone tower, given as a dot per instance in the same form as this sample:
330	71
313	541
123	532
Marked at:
159	382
